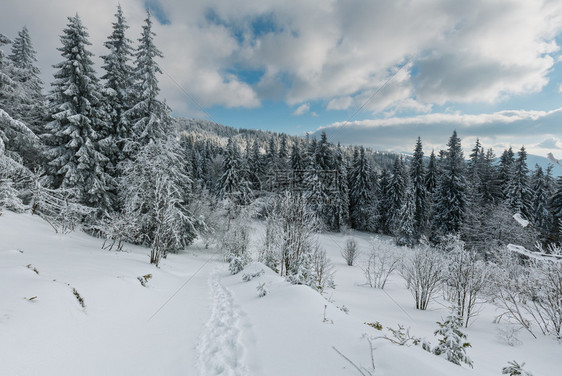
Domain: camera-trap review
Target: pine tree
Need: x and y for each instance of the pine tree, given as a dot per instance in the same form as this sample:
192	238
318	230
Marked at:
15	136
556	210
452	344
396	193
406	226
450	196
30	107
154	192
118	89
256	166
431	175
504	171
77	119
384	222
271	156
540	215
418	179
339	195
233	184
283	153
149	117
518	191
362	188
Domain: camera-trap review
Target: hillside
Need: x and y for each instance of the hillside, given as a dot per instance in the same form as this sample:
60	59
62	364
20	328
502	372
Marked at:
194	318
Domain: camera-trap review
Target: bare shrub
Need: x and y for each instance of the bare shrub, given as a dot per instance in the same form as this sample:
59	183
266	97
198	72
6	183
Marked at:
465	279
350	252
424	275
322	270
382	262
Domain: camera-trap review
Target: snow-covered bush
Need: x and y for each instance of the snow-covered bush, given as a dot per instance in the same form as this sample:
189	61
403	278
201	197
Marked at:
262	290
465	279
383	261
509	334
515	369
235	244
452	344
290	245
530	294
350	252
153	193
249	276
209	218
59	207
322	270
9	197
424	275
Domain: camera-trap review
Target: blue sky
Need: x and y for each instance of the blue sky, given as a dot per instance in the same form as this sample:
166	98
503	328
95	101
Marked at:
379	73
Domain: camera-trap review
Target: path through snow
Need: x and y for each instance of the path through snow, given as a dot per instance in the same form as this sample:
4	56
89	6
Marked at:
221	351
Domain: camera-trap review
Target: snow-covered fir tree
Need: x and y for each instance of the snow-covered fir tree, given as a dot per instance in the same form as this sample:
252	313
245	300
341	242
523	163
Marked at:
117	89
396	193
450	194
556	210
518	189
505	168
540	216
148	116
431	176
339	194
362	189
384	217
77	119
31	106
418	179
405	232
233	184
16	137
153	193
452	344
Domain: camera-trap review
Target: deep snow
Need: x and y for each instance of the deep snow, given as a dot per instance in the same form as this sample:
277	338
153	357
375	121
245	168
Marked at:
194	318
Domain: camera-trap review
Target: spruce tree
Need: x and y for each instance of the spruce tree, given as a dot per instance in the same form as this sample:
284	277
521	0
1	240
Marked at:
16	138
149	117
540	215
31	105
233	184
504	170
362	188
339	194
384	221
396	192
518	189
76	121
418	179
450	194
405	232
256	166
556	210
117	89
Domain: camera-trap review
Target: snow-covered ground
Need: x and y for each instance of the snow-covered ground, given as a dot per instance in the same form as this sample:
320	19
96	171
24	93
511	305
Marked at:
194	318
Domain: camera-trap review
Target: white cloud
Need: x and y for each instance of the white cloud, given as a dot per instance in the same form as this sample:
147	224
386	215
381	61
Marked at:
340	103
550	143
339	51
302	109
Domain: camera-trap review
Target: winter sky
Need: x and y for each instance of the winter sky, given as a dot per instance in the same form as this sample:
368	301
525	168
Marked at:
373	72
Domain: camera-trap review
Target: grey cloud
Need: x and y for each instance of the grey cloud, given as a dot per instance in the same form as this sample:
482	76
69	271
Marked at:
501	128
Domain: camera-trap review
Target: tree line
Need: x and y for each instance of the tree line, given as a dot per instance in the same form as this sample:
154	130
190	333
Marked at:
105	152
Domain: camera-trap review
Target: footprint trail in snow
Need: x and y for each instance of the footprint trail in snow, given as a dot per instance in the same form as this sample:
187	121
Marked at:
221	351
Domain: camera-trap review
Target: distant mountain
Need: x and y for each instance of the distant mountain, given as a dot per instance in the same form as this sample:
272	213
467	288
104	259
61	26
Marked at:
533	160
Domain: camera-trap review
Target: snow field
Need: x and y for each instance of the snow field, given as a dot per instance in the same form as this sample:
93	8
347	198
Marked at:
194	318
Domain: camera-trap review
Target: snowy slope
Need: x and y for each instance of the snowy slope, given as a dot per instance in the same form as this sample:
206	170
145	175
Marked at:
196	319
